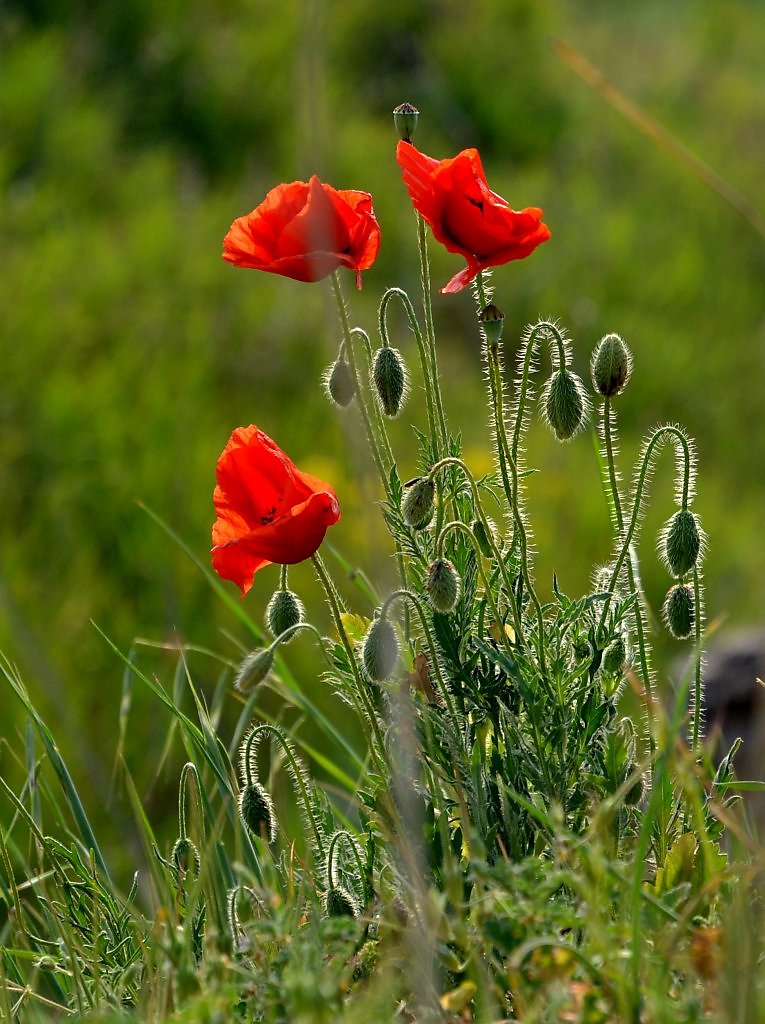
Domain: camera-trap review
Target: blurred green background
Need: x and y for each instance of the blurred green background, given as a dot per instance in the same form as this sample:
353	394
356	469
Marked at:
132	134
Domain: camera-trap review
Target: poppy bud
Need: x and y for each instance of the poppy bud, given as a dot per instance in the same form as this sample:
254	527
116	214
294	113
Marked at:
254	669
389	379
492	319
405	118
380	651
185	857
611	366
340	903
417	503
679	611
257	812
681	542
442	586
582	649
615	657
482	538
284	611
565	403
339	383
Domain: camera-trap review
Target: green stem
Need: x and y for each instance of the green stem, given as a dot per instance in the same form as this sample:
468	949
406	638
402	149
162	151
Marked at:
188	771
430	333
698	694
382	432
343	833
544	329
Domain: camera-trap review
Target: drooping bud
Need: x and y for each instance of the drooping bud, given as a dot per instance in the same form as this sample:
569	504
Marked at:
482	538
257	812
380	651
442	586
340	903
680	542
492	320
565	403
254	669
284	611
679	610
185	857
614	657
610	366
405	118
417	502
339	383
389	380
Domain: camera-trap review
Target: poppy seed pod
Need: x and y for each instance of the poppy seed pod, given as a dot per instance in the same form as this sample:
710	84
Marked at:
679	611
185	857
492	319
257	812
442	586
681	542
417	503
389	379
565	403
340	903
339	383
405	118
611	366
380	651
284	611
254	669
615	657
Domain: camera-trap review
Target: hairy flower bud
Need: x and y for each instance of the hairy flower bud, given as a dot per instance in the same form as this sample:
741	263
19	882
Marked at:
610	366
254	669
565	403
185	857
417	502
284	611
679	610
380	651
492	320
681	542
442	586
389	379
338	380
405	118
340	903
257	812
614	657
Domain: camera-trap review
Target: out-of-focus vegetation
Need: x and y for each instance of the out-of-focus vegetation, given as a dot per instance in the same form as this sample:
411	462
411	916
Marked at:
132	134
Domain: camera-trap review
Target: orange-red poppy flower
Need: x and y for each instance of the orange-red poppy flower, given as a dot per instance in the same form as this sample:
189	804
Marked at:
465	215
268	510
305	230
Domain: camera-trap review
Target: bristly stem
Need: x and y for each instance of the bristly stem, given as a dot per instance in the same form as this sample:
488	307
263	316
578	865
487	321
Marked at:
382	433
549	331
698	691
430	334
351	843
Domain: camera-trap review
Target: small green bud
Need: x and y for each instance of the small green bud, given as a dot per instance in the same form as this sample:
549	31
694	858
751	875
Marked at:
340	903
610	366
380	651
405	118
365	961
482	538
284	611
442	586
254	669
339	383
185	857
681	542
417	503
492	320
679	610
615	657
582	649
389	380
257	812
565	404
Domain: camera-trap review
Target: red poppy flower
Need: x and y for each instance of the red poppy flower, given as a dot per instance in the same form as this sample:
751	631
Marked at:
305	230
268	510
465	215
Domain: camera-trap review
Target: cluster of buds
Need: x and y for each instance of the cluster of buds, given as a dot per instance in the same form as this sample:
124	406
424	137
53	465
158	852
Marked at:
681	545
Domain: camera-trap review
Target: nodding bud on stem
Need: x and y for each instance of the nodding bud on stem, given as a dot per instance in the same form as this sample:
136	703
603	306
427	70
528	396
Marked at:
679	611
680	542
565	403
284	611
610	366
380	651
442	586
340	903
405	118
492	319
339	383
417	502
389	380
185	857
257	812
254	669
